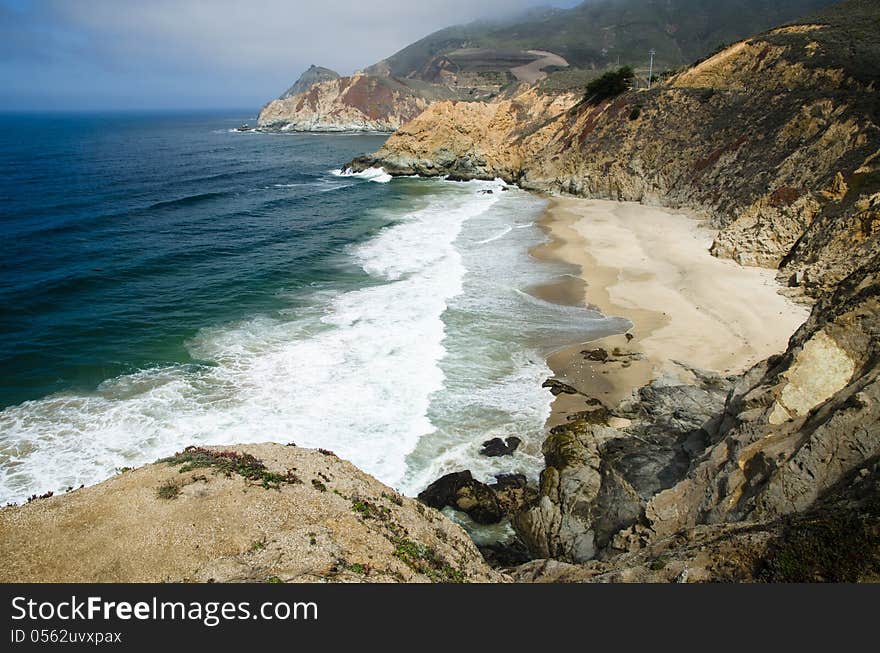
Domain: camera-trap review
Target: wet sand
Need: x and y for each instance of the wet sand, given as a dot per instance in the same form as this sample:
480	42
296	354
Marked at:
688	309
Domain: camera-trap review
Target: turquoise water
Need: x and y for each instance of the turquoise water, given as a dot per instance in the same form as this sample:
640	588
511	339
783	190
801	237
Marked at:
168	281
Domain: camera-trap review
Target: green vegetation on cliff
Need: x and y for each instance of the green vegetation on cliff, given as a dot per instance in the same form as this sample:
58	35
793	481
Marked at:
610	85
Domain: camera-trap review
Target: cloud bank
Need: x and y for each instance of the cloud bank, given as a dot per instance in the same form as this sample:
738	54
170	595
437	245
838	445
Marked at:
197	53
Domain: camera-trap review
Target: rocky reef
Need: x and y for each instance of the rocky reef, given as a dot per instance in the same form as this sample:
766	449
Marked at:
775	140
255	513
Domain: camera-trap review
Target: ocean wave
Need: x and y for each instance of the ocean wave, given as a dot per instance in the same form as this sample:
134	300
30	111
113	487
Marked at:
320	186
188	200
354	372
405	374
377	175
497	236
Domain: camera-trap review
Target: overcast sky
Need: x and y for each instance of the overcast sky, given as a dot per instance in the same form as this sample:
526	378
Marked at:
122	54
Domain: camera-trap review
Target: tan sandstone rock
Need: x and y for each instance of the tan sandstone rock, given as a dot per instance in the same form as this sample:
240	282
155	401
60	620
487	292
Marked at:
307	516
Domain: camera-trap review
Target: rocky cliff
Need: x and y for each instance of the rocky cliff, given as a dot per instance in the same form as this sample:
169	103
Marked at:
345	104
490	58
776	141
255	513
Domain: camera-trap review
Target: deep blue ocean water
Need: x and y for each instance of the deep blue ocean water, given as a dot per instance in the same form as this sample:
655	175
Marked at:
166	280
125	234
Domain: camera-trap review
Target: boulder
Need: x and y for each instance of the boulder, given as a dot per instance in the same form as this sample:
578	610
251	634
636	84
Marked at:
513	492
461	491
498	447
559	388
484	503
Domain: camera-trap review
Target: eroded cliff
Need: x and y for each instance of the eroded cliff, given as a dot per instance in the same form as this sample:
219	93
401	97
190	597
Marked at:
343	104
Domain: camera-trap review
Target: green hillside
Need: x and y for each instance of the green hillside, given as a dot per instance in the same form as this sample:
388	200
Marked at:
595	34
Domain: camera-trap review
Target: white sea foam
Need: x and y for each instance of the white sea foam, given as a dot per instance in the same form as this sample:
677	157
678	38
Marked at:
405	377
370	174
319	186
501	234
355	374
497	340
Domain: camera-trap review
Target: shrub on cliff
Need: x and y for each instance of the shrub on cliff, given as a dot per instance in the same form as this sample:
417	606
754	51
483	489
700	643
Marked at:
610	85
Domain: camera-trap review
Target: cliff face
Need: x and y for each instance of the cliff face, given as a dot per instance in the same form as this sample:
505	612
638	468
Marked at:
755	448
255	513
776	141
837	540
488	58
469	140
358	103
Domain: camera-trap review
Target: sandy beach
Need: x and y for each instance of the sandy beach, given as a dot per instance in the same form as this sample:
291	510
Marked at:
688	308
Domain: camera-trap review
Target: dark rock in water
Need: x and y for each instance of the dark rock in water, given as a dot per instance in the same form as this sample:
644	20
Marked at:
509	553
504	481
558	388
461	491
498	447
485	504
599	355
487	192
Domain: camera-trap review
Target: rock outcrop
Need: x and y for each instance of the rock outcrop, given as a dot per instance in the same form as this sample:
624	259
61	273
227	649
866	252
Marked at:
598	479
794	426
255	513
838	540
346	104
482	502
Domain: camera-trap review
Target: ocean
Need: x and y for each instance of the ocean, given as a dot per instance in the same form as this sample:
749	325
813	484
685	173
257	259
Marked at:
167	281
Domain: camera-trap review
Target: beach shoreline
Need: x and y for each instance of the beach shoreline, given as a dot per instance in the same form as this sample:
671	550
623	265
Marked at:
688	309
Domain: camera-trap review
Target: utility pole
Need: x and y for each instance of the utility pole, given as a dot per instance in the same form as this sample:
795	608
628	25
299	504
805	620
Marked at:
651	68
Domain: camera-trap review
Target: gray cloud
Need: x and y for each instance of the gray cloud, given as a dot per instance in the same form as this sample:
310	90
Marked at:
255	49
